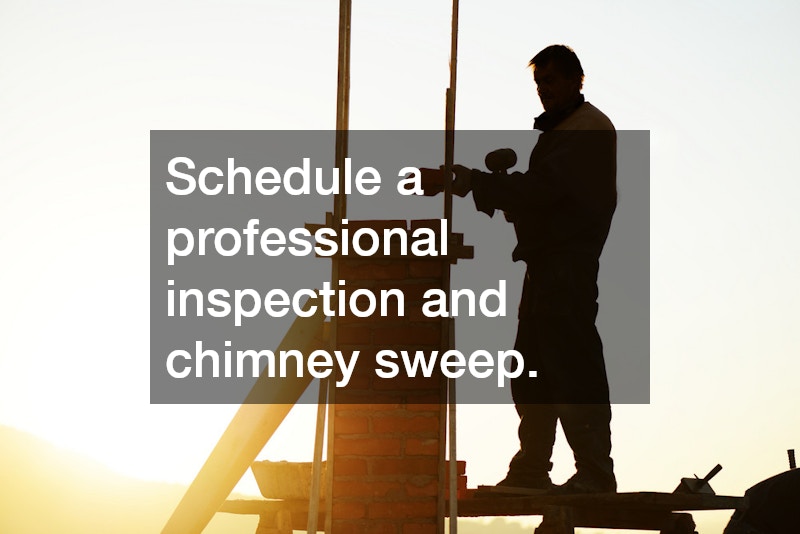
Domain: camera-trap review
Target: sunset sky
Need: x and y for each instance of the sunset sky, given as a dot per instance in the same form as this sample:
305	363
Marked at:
83	83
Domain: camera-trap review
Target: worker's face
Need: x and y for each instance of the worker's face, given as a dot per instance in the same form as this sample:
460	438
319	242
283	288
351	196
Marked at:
556	91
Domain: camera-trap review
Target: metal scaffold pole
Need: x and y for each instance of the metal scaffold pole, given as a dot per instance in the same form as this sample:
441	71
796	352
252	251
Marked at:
449	154
327	392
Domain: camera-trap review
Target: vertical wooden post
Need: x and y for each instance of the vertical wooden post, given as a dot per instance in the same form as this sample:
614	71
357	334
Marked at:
339	213
447	324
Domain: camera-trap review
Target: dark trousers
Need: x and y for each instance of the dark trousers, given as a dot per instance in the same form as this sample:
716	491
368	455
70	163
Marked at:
558	339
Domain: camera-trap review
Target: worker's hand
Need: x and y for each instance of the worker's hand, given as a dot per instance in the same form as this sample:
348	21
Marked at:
463	181
432	181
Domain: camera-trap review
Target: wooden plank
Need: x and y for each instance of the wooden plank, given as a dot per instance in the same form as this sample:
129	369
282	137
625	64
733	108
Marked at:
505	491
246	435
644	510
587	517
535	504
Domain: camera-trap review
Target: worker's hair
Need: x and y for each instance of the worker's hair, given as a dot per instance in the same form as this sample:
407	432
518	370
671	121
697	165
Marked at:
564	59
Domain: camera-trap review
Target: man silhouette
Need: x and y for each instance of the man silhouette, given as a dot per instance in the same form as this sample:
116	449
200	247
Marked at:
561	209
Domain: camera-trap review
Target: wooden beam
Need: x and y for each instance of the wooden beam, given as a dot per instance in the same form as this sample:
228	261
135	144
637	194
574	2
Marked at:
246	435
646	501
635	511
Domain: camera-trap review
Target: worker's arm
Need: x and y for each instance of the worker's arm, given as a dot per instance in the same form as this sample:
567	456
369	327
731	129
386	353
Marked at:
579	163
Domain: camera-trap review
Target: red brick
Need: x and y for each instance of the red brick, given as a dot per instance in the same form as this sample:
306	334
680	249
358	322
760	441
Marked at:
461	483
351	284
346	527
391	424
357	335
376	320
405	383
434	224
375	527
425	268
366	364
413	291
414	396
404	466
376	224
364	527
419	528
374	270
367	446
353	395
360	306
342	408
427	402
384	403
350	425
349	510
422	487
415	315
367	397
348	348
360	379
402	509
422	447
349	467
375	489
385	336
461	467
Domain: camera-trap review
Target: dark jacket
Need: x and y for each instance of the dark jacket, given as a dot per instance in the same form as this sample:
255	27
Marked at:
561	209
566	199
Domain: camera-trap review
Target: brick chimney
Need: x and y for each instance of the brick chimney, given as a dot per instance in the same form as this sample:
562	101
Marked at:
388	437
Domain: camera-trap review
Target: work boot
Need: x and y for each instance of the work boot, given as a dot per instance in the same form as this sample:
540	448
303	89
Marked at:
530	466
514	482
581	482
587	429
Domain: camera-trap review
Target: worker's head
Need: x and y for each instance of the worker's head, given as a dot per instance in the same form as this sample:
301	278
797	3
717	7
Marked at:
558	75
